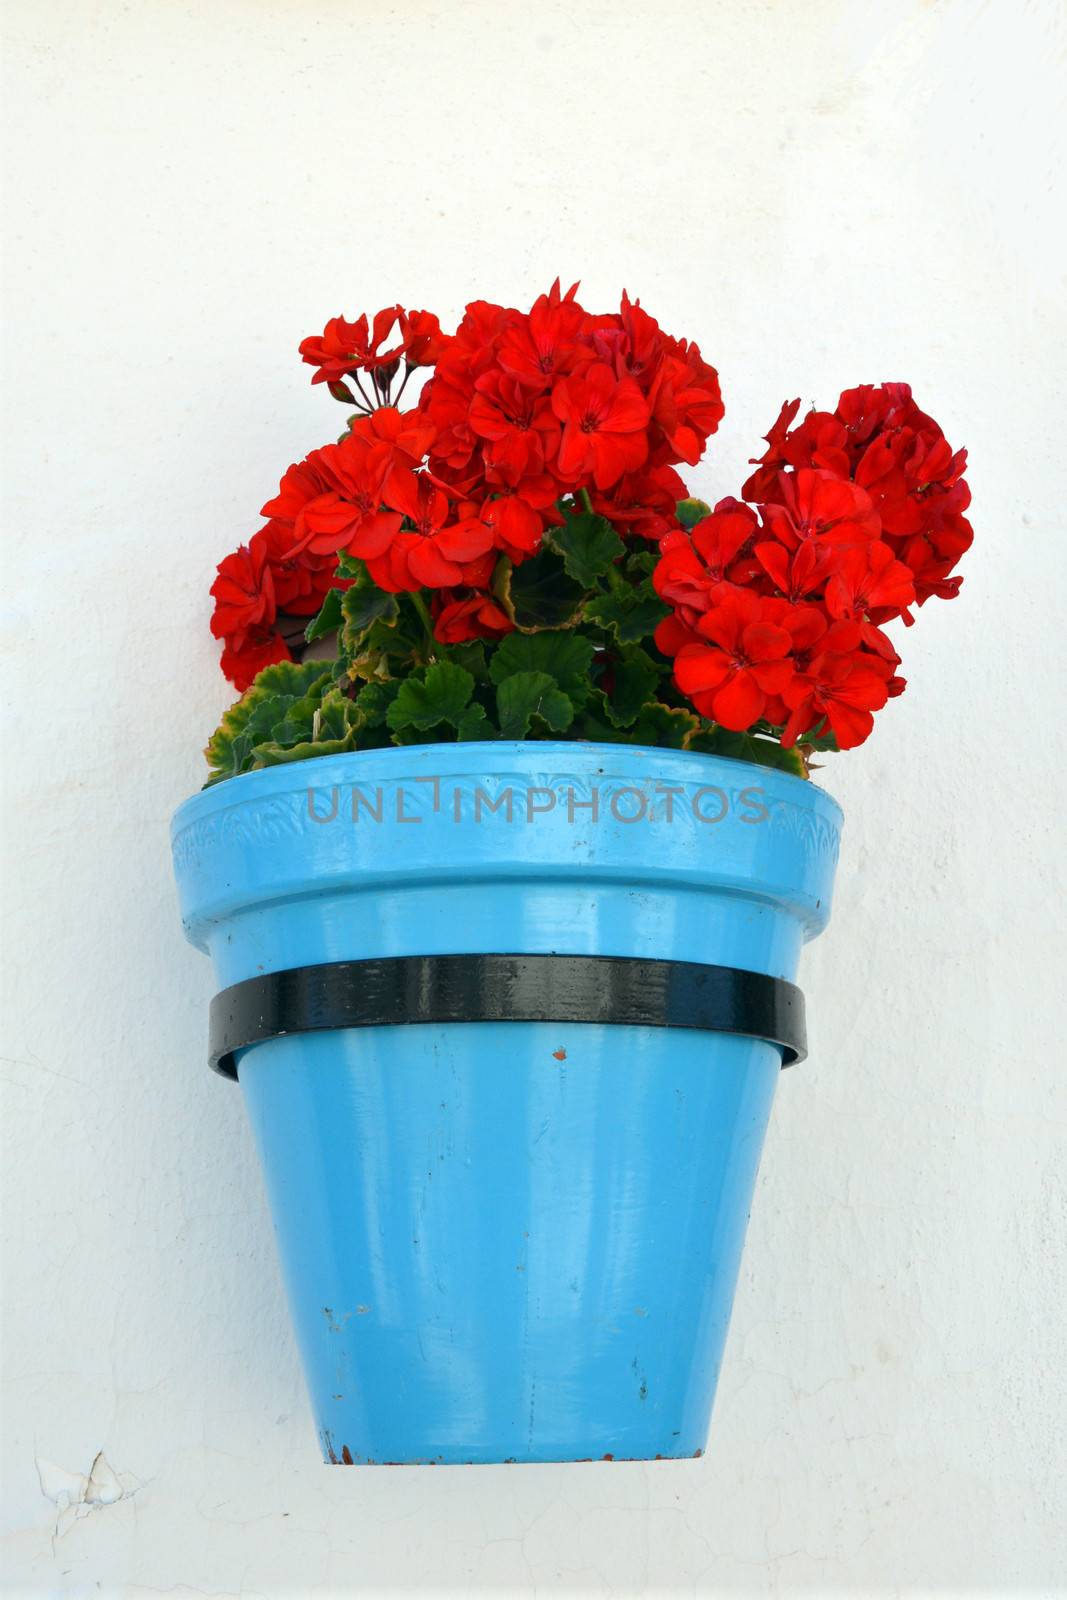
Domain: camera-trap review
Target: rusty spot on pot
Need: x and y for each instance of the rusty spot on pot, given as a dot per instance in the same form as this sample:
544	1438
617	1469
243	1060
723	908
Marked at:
327	1445
346	1456
608	1457
560	1055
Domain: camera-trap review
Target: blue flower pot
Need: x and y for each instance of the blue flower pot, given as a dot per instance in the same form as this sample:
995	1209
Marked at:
510	1194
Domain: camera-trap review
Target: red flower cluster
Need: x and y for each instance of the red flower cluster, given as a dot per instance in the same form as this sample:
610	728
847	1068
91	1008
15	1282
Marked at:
778	601
345	348
529	407
523	409
255	584
878	438
777	611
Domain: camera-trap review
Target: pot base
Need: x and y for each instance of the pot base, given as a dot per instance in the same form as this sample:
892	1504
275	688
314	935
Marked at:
346	1459
510	1241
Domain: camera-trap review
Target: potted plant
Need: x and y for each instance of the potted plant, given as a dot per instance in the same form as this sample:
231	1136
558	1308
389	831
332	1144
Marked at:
508	850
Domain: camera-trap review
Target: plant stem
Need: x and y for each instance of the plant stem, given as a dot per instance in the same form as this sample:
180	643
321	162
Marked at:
424	616
584	501
369	402
403	386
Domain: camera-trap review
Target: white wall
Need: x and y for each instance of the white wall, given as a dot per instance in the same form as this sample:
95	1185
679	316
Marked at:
820	193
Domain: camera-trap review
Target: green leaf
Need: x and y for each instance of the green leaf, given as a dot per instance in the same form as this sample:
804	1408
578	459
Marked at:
469	654
295	724
441	735
596	723
373	702
385	645
670	727
589	546
289	677
635	679
690	512
363	605
665	727
525	695
748	747
565	657
631	614
475	724
275	755
262	707
329	617
539	593
336	715
439	694
822	737
643	560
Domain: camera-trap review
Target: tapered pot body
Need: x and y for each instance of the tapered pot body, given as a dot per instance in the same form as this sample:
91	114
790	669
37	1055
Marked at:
508	1240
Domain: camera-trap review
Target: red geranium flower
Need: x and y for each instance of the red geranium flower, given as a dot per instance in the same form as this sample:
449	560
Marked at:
474	616
813	634
517	520
424	343
932	557
301	580
333	499
345	347
633	343
903	470
845	688
686	403
519	428
819	441
417	559
869	581
407	433
414	562
643	503
672	634
431	552
744	659
760	485
816	505
694	565
543	346
243	591
256	649
796	574
476	342
605	421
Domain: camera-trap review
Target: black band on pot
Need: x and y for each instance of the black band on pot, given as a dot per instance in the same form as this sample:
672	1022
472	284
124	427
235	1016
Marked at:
499	988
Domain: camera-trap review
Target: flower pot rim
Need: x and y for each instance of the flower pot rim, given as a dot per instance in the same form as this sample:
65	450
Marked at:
287	777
